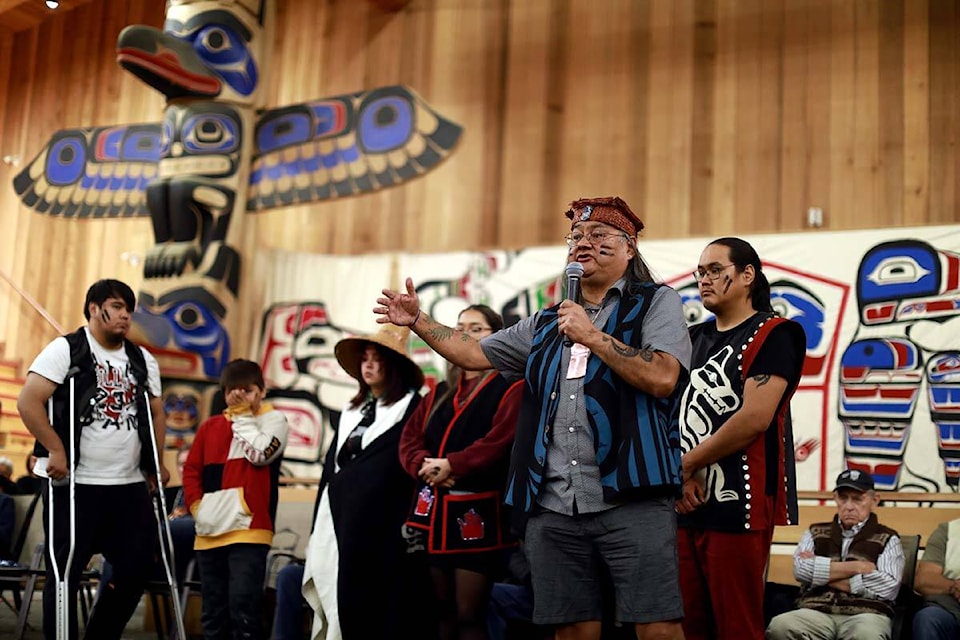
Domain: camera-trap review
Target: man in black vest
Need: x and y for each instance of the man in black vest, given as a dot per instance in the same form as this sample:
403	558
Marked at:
112	454
850	569
735	430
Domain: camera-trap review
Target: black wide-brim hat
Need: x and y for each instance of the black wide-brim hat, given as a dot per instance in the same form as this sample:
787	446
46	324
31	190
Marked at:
349	352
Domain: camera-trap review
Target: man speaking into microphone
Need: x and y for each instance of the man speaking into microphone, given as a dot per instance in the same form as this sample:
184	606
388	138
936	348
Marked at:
595	466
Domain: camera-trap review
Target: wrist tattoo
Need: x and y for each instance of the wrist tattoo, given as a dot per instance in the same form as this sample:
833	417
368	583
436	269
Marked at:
761	379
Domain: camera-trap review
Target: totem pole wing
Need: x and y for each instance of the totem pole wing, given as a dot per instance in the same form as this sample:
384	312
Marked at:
345	145
99	172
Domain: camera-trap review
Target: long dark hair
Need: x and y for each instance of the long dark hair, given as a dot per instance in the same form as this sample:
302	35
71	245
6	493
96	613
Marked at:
741	255
394	385
495	320
638	271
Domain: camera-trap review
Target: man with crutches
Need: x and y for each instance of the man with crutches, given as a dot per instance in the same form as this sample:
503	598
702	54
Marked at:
92	401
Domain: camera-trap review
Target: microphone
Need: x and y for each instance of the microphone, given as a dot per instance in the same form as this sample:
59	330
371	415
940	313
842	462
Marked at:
573	271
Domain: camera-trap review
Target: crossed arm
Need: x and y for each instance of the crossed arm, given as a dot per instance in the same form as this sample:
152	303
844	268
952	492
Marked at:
931	581
880	581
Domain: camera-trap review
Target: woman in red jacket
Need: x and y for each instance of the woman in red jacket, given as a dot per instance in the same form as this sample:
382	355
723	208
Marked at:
457	445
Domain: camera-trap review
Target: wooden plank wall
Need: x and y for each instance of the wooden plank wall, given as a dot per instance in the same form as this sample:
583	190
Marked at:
710	117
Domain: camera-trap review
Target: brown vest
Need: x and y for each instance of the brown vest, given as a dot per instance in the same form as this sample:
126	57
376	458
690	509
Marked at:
867	545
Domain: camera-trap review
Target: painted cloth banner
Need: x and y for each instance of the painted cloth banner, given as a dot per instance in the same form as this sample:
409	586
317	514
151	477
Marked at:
881	311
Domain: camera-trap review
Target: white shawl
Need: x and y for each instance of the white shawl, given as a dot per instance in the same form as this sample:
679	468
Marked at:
322	565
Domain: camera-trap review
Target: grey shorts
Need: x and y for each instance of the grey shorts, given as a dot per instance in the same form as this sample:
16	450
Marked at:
633	546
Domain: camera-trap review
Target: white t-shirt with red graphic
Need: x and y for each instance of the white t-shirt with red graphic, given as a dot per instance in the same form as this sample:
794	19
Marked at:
110	445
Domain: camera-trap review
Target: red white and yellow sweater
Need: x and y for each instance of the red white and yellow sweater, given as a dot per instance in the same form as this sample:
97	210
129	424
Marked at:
228	484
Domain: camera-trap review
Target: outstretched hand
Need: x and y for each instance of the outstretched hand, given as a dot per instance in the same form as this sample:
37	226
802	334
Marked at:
401	309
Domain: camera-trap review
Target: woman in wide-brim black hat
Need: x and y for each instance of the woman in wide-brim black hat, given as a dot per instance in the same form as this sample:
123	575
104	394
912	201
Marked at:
357	574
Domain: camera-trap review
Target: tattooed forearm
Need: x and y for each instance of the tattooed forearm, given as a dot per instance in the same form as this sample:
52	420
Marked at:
440	333
625	351
629	352
761	379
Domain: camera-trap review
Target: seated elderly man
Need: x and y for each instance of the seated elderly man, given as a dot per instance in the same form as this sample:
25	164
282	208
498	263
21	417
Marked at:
850	569
938	579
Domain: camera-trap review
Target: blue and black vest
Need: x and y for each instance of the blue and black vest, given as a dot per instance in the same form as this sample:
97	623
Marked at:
636	436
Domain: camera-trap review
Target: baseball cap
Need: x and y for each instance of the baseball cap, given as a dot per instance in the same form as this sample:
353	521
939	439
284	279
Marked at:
855	479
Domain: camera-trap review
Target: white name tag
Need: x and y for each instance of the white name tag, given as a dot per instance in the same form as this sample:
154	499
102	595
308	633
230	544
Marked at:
579	355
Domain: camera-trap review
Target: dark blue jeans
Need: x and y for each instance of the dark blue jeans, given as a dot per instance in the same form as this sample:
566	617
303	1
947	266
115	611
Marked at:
935	623
288	622
231	584
508	602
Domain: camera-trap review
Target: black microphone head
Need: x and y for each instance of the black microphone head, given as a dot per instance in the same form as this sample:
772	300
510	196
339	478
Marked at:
573	270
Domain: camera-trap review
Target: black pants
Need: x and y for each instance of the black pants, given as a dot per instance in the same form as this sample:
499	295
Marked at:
231	579
116	521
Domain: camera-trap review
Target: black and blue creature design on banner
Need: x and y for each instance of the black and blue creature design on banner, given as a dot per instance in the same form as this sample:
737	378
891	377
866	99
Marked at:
908	293
217	154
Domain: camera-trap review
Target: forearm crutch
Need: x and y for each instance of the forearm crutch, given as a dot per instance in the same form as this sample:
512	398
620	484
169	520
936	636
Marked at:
63	579
163	530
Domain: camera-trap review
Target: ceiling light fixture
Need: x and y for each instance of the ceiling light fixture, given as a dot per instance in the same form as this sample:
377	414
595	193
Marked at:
52	4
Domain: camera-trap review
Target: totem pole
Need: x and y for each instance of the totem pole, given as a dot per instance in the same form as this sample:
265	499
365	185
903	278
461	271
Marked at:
217	155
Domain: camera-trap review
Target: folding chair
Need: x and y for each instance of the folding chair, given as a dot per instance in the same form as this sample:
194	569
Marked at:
20	576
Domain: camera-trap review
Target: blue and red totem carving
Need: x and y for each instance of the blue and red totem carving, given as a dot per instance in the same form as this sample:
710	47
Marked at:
908	294
879	386
943	392
217	155
302	373
186	404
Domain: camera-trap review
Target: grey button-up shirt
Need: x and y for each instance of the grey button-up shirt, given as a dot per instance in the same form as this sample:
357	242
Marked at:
572	477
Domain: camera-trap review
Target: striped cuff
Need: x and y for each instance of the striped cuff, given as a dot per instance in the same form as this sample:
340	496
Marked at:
856	584
821	570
